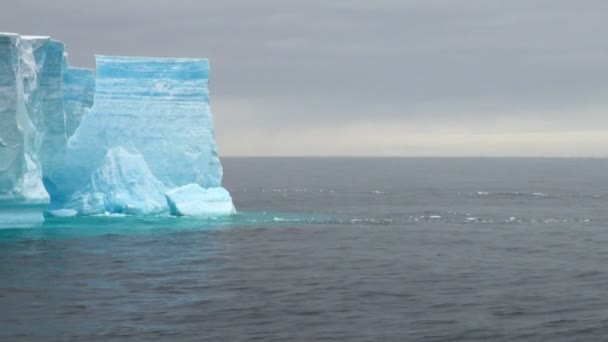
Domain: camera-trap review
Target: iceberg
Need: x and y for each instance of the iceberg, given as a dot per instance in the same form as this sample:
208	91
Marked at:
135	139
193	200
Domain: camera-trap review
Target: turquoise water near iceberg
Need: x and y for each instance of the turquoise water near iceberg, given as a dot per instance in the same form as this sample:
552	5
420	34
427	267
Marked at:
340	249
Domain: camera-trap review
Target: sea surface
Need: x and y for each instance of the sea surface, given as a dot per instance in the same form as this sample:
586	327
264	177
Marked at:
331	249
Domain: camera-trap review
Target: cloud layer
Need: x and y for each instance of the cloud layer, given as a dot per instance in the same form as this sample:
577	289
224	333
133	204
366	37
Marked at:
389	77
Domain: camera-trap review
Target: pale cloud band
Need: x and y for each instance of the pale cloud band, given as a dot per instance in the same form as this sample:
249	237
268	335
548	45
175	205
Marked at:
388	77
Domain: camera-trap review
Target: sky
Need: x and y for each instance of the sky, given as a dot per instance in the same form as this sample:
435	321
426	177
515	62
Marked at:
362	77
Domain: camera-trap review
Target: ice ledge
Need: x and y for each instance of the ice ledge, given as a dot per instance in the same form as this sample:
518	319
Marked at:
193	200
139	59
20	215
9	35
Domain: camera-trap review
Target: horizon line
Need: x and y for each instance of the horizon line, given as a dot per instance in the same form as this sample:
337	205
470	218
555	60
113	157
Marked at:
411	156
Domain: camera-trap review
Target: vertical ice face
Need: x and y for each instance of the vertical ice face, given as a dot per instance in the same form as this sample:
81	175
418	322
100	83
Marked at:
78	92
20	137
22	193
11	135
159	107
52	154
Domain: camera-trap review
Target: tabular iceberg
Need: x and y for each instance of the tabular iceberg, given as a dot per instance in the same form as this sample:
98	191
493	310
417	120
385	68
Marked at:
137	139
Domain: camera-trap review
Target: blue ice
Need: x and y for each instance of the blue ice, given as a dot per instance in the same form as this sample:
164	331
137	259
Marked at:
136	139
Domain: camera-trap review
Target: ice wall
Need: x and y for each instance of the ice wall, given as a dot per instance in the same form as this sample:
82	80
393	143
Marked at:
52	154
156	107
23	196
21	64
78	92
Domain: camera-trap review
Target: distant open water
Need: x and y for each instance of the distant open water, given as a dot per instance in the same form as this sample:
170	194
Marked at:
332	249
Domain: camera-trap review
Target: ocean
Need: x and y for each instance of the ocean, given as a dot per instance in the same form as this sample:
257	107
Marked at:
332	249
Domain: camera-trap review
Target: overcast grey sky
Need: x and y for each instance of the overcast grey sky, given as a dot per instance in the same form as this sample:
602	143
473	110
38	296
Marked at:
363	77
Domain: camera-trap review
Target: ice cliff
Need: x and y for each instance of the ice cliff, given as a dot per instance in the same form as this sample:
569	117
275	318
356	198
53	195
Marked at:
22	90
136	139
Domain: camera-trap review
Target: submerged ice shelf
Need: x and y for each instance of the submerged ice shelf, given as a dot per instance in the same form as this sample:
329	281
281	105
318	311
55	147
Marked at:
137	139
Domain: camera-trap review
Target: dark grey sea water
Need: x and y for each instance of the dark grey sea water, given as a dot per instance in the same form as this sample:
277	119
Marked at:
332	249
